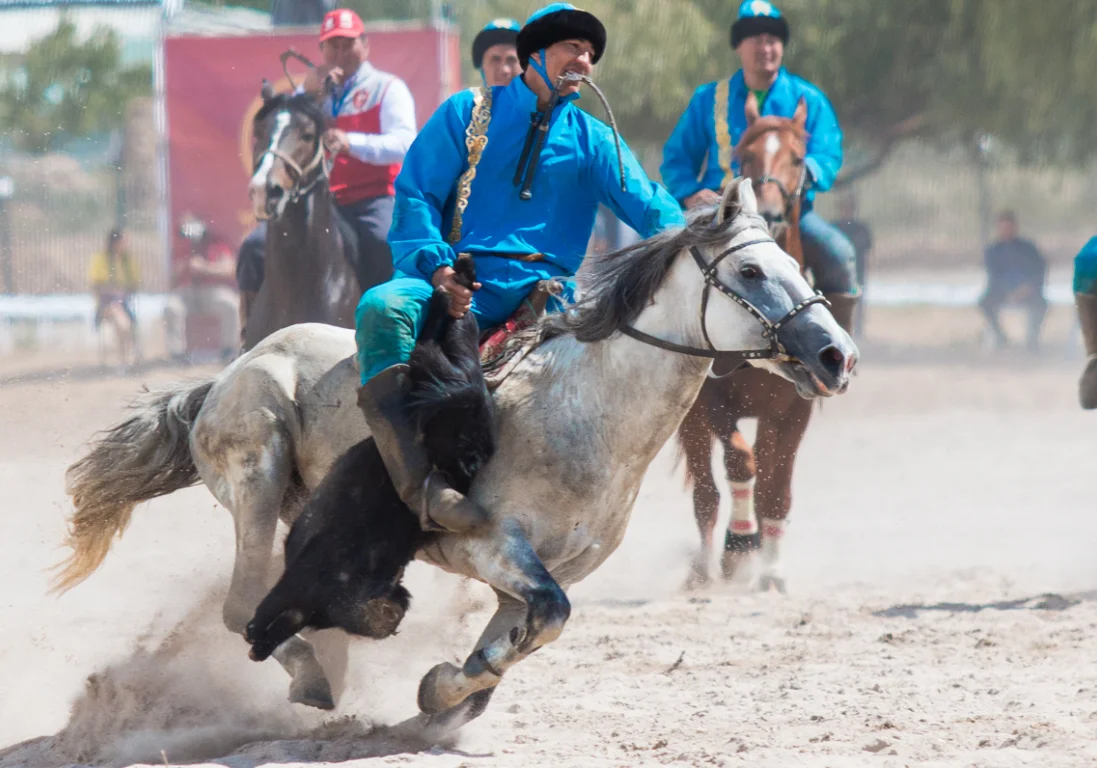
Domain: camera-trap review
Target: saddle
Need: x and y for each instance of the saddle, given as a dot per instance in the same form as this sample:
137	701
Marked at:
503	347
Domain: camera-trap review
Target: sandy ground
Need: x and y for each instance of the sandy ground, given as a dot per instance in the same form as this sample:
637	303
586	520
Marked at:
948	474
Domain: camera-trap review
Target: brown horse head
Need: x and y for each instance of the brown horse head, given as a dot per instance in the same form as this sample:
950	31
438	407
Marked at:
771	153
288	152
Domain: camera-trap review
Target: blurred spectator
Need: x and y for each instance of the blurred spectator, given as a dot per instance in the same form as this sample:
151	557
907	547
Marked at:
250	263
860	235
204	281
1016	273
114	278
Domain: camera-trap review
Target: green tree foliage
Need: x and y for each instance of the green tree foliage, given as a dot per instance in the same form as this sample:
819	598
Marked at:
65	88
944	71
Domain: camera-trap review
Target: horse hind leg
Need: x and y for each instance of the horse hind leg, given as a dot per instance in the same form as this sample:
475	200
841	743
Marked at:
252	481
742	535
533	610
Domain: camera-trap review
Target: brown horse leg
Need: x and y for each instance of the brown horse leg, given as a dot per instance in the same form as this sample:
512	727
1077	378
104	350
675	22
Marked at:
695	438
775	451
742	536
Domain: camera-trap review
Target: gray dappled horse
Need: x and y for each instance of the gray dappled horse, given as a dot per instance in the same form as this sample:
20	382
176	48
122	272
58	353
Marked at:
578	421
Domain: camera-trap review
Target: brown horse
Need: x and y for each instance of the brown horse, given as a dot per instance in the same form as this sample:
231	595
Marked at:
771	153
309	277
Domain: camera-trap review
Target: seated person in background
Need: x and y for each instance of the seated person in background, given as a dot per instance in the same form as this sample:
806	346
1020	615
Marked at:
1016	272
859	234
250	263
114	279
204	283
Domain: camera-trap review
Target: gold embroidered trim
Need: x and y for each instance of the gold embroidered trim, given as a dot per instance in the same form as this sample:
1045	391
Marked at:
476	138
723	135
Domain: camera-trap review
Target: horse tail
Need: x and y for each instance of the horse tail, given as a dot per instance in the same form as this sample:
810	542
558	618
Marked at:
146	456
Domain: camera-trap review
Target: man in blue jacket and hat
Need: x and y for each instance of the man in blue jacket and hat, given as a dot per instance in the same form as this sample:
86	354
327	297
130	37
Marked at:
481	178
495	52
759	35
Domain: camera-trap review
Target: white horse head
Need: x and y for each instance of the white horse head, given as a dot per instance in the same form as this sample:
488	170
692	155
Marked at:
721	288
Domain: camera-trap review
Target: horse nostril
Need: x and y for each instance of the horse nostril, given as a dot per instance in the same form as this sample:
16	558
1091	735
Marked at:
274	191
772	217
833	360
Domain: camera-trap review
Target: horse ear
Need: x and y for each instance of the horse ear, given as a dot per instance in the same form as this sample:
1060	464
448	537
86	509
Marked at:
800	116
738	198
751	109
267	91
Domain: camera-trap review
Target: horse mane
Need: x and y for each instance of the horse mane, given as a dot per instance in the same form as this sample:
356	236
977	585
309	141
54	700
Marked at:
622	283
764	125
294	102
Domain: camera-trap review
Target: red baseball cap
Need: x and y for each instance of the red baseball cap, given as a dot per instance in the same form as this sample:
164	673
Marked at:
341	22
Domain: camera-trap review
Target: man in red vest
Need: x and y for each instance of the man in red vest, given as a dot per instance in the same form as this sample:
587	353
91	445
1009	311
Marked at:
374	124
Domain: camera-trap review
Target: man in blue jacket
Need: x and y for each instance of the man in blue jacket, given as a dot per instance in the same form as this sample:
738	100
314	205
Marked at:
494	52
759	35
472	183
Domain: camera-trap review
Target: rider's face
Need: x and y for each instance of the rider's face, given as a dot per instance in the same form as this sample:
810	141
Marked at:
347	53
761	54
501	64
569	56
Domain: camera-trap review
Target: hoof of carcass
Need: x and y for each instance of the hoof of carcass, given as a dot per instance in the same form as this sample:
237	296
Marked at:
312	692
435	689
768	581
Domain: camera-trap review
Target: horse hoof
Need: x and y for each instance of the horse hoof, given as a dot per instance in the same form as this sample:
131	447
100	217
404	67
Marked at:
731	564
768	580
443	724
432	698
698	578
312	693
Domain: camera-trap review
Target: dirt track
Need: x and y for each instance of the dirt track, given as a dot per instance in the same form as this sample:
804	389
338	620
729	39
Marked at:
935	481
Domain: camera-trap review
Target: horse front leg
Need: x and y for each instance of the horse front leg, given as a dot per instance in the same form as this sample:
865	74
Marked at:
775	449
532	612
742	536
251	478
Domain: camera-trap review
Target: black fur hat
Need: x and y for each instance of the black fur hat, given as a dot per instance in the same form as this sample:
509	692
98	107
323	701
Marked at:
758	18
560	21
498	32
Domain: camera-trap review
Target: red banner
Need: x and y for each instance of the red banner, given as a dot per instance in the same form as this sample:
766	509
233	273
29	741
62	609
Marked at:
212	92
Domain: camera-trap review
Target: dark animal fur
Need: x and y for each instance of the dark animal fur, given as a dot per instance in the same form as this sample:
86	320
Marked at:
346	553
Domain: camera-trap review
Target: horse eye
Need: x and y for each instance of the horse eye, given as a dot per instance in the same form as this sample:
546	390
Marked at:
797	161
749	272
308	136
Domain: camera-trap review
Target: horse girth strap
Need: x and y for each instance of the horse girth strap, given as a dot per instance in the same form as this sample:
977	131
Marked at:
770	329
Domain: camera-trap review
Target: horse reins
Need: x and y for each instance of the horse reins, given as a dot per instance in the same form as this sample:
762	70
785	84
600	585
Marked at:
770	330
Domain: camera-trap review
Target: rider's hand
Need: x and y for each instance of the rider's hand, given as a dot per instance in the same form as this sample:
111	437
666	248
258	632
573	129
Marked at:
460	296
336	141
702	198
314	80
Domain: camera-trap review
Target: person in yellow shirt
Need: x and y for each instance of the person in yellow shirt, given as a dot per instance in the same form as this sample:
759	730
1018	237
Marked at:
114	279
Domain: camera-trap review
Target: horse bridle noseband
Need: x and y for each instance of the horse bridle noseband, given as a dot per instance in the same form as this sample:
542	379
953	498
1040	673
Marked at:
298	192
789	198
770	330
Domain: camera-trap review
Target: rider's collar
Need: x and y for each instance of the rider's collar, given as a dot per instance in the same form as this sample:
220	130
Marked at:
526	97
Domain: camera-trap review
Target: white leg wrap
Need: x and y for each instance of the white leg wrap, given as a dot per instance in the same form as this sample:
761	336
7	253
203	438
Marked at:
773	531
743	521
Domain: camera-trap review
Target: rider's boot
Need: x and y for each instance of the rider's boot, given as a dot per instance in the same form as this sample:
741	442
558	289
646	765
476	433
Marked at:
842	306
1087	316
439	507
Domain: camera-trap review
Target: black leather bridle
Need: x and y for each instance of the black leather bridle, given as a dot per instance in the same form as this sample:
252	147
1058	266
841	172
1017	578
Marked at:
770	330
